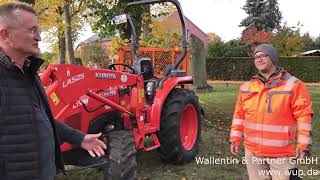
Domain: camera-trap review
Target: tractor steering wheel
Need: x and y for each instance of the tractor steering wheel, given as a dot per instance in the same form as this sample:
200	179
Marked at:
112	67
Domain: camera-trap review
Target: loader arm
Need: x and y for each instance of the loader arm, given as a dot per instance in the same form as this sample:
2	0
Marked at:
77	95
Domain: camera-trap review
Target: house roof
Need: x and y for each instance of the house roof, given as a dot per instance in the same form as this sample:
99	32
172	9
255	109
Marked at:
93	38
173	21
311	52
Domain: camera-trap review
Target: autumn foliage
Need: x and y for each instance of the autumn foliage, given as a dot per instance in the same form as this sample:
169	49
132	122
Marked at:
252	36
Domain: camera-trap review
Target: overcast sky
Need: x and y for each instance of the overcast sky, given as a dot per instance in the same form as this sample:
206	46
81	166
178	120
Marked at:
224	16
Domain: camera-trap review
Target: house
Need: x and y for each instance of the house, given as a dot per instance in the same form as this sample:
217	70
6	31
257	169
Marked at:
94	40
315	52
173	21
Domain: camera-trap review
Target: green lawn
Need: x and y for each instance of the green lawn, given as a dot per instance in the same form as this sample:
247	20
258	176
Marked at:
219	106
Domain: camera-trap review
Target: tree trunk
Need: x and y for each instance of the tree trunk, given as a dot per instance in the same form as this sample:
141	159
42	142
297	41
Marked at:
198	65
68	33
62	48
32	2
146	24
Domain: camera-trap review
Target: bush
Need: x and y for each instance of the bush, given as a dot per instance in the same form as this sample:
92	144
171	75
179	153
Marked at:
306	69
232	48
230	68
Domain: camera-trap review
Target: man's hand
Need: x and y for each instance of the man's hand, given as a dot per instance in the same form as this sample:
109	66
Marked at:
93	145
300	154
234	148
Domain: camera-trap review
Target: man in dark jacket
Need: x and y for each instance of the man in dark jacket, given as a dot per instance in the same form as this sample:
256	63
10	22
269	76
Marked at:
29	135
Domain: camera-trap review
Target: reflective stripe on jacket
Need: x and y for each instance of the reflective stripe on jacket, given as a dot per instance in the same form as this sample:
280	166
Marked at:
269	115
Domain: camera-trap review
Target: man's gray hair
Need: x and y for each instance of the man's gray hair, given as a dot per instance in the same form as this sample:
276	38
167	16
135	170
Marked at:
8	15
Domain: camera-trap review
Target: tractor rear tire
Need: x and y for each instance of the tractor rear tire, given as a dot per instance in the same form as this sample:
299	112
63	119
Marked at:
121	154
180	127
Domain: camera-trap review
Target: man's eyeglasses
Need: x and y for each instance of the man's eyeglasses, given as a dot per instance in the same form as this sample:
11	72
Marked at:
262	57
34	31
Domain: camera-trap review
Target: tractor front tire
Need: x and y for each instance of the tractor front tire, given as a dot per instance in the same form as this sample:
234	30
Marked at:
180	127
121	154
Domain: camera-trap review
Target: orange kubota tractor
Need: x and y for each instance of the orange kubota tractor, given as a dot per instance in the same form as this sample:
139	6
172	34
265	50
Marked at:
130	108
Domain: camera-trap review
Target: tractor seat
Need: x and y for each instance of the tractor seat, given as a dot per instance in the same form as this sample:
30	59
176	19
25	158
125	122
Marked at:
144	66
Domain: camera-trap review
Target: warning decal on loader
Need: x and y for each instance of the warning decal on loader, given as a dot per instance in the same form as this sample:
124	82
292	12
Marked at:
55	98
140	95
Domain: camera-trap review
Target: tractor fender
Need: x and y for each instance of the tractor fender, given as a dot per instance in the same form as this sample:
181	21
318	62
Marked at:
161	96
98	124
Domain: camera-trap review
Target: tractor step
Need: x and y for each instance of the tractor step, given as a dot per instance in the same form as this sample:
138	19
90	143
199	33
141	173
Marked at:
155	145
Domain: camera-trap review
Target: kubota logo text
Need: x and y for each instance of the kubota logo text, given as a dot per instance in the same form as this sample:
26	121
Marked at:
73	80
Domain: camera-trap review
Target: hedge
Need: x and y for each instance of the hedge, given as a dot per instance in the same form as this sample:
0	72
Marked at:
306	69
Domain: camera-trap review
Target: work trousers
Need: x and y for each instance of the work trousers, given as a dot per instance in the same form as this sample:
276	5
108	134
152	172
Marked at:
268	168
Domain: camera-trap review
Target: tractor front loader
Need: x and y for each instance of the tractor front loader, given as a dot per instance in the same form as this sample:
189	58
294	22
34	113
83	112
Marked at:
129	108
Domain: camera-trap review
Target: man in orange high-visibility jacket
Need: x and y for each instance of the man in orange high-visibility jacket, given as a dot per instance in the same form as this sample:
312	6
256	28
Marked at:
273	109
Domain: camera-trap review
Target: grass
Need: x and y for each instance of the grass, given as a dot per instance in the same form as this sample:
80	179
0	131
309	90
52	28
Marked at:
218	106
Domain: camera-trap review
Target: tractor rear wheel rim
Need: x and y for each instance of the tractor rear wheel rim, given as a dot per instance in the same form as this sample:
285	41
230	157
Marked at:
188	127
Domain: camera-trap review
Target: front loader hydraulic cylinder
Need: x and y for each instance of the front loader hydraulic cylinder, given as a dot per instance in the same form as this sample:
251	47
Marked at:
109	103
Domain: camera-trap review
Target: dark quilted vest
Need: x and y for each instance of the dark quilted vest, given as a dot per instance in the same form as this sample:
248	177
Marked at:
19	146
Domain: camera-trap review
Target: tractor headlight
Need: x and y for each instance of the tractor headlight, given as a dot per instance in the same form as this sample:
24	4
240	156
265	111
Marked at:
150	89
